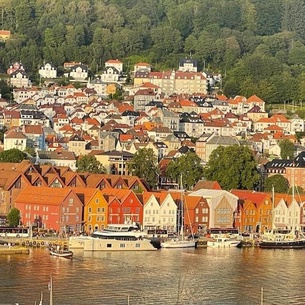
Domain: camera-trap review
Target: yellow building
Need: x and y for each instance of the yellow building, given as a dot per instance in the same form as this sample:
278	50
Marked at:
95	208
111	89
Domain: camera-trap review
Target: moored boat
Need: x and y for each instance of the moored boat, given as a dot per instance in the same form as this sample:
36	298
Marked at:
223	243
64	253
283	238
179	243
280	243
116	237
115	244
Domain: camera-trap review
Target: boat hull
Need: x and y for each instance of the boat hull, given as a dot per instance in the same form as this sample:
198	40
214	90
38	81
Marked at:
99	244
63	254
223	244
295	244
77	242
174	244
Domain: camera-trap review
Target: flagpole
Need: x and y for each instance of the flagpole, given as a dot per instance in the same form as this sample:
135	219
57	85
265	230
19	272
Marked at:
51	291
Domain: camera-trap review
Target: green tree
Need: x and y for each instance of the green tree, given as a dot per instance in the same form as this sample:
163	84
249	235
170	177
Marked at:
12	155
31	151
13	217
166	39
278	182
297	190
287	149
89	164
233	167
5	90
144	164
188	168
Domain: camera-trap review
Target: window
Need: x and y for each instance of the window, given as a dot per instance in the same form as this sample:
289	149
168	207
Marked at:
97	201
89	210
70	201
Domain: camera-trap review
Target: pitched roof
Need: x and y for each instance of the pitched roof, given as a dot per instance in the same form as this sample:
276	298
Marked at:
204	184
256	197
42	195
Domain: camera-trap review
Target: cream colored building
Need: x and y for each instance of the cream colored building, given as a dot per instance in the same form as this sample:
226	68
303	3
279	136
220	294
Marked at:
174	81
222	205
15	139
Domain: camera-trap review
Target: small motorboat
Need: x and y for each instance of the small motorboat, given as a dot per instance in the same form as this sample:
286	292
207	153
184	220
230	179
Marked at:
65	253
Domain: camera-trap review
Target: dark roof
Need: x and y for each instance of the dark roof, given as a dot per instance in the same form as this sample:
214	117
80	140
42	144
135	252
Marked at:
187	61
181	135
299	161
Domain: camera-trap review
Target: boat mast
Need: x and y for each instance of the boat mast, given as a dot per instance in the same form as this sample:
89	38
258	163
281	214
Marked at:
51	290
293	207
182	208
272	215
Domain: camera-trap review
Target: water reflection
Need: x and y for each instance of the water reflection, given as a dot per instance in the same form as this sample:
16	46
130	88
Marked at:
168	276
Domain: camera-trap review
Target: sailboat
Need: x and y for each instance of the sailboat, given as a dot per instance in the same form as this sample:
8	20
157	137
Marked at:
180	241
277	239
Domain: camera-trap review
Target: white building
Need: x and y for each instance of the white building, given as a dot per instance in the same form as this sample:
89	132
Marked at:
19	79
79	72
15	139
48	71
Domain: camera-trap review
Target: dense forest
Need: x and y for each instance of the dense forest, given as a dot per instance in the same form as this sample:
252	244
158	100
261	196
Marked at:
257	45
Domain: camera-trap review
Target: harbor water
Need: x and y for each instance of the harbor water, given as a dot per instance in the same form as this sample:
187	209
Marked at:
167	276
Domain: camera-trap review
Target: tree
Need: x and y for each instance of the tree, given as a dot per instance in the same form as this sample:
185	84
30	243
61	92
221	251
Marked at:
296	189
144	164
13	217
287	149
279	182
233	167
31	151
13	155
187	168
90	164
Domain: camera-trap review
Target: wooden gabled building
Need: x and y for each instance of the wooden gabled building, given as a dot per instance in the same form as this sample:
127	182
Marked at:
43	207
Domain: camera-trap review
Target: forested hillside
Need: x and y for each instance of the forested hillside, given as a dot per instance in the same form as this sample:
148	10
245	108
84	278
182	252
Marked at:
258	45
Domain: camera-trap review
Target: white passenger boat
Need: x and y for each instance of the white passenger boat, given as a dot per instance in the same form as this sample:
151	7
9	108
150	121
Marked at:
77	242
223	242
114	244
119	237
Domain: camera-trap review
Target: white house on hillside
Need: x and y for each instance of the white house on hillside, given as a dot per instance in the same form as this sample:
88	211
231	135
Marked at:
48	71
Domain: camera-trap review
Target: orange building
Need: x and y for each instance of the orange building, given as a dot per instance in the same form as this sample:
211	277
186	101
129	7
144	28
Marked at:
255	211
123	206
196	214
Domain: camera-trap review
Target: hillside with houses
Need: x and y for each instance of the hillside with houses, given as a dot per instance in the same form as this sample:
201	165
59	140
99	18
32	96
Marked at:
171	113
